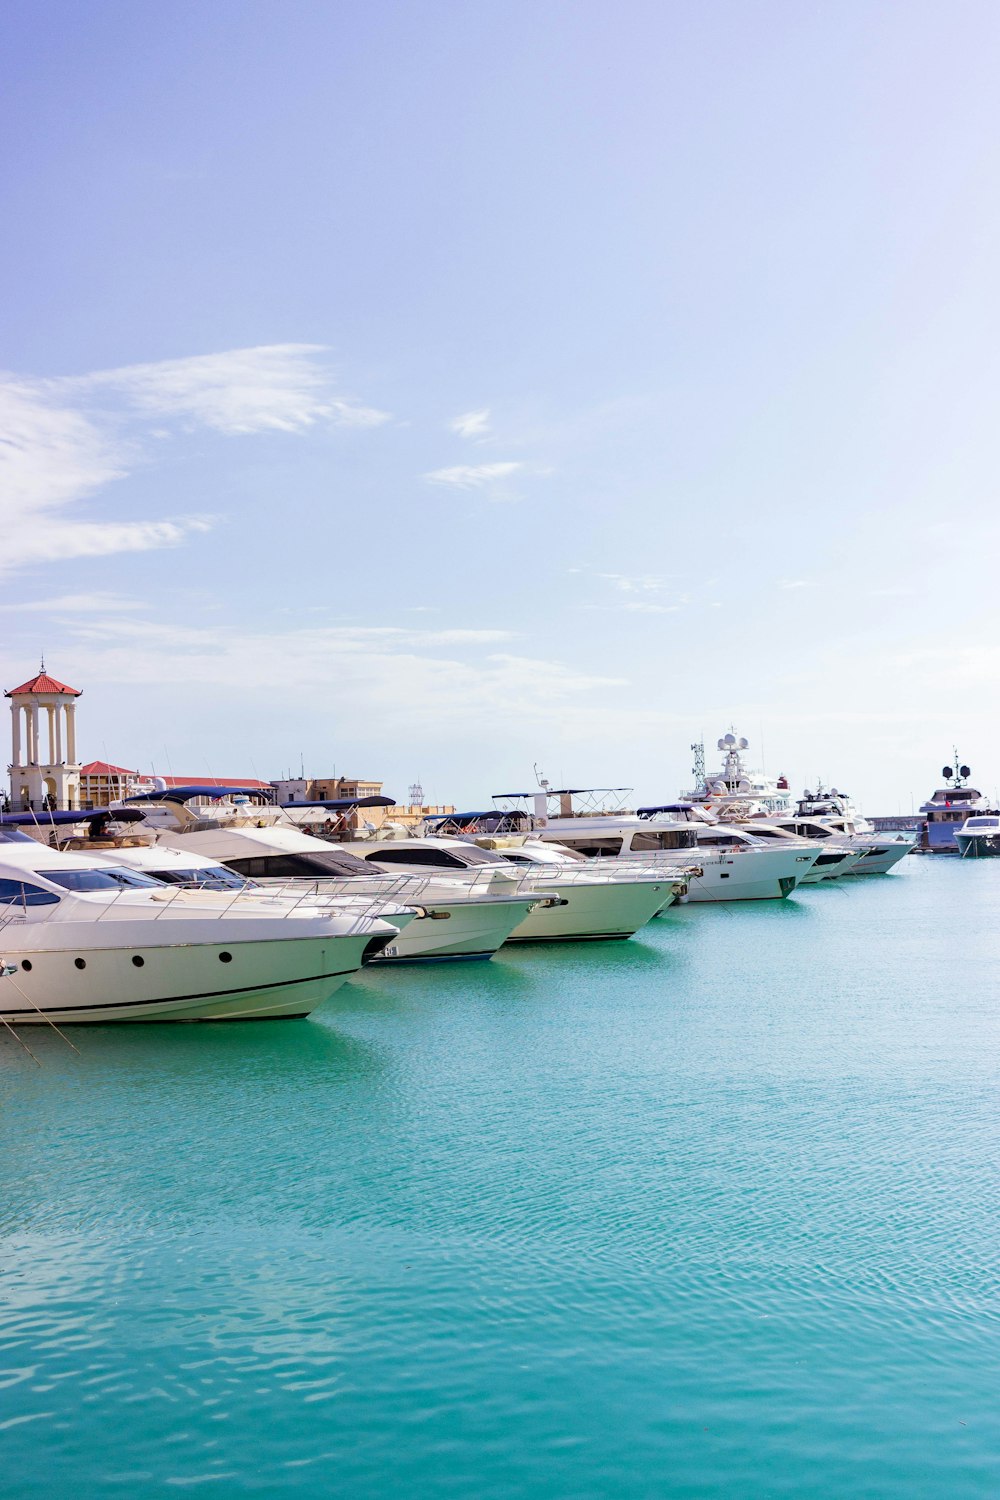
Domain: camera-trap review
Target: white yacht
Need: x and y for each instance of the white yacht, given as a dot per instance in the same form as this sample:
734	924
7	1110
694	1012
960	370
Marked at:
259	843
82	941
735	791
745	870
877	853
589	904
947	810
979	837
831	861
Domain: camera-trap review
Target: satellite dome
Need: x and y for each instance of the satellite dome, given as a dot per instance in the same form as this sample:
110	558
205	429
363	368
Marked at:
744	744
722	744
730	739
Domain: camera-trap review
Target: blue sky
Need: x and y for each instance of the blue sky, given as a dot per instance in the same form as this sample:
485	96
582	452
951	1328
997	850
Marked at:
436	389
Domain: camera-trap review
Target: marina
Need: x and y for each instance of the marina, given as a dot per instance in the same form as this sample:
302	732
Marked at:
500	828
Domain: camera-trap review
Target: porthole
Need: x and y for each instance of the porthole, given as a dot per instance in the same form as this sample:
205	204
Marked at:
138	960
26	965
225	958
81	963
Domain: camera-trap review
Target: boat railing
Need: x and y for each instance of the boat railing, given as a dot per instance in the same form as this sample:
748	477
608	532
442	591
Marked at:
292	903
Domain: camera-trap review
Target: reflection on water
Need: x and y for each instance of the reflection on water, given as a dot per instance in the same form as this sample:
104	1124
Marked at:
706	1214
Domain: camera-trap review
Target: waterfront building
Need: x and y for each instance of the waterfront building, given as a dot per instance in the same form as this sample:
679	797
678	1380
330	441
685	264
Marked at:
44	771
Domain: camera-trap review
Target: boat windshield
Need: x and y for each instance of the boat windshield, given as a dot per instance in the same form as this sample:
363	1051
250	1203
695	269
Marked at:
211	877
110	879
983	823
459	857
333	863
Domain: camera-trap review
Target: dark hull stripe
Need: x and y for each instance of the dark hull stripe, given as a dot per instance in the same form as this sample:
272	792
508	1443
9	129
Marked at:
577	937
431	958
42	1011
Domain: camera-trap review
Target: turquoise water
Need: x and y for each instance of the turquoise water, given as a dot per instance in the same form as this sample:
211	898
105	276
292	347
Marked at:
710	1213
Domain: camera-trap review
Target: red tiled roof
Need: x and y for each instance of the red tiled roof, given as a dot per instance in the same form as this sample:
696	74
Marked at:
102	768
43	683
251	786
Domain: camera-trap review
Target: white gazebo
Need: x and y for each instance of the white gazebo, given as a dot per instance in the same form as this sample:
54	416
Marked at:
41	705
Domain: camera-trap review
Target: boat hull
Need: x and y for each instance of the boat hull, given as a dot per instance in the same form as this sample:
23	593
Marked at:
473	929
978	846
594	910
248	980
881	860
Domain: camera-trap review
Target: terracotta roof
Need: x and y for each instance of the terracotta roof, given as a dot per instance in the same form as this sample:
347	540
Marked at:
102	768
251	786
43	683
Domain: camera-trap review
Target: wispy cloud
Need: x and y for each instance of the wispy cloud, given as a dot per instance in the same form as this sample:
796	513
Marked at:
74	604
643	583
274	387
796	583
488	477
471	424
64	440
433	677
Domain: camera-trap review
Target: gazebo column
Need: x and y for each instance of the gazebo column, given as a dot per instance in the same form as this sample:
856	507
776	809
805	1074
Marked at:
71	733
15	714
58	751
33	711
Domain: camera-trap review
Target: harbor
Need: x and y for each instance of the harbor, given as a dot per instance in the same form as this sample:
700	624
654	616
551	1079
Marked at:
500	819
560	1141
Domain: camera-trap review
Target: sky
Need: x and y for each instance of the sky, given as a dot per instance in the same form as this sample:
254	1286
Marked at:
437	390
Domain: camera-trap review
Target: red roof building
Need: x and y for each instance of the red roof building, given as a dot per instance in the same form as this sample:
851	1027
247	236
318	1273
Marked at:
43	683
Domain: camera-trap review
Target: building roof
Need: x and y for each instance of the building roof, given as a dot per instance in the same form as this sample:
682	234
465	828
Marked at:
102	768
43	683
246	785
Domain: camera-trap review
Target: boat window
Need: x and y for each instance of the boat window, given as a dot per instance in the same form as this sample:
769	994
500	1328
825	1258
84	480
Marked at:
98	880
719	841
16	893
126	876
15	836
664	838
983	823
439	859
212	878
594	846
333	863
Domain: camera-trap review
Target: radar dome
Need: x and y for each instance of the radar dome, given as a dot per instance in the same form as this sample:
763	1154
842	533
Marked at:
730	739
744	744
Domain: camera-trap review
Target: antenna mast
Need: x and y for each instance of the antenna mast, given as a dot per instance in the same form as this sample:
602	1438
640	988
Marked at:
698	769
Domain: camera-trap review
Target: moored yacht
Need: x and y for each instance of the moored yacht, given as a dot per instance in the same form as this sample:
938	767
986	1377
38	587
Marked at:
829	863
84	942
260	844
745	870
589	904
979	837
947	810
735	790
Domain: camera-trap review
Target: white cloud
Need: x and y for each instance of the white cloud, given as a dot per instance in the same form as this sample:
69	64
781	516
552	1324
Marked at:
635	584
273	387
473	476
471	424
387	674
796	583
73	604
63	440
